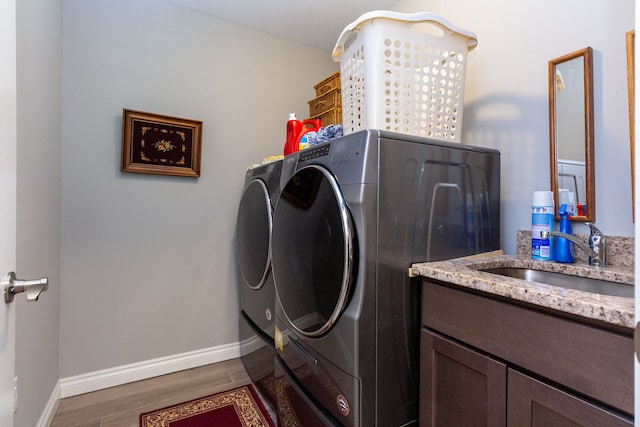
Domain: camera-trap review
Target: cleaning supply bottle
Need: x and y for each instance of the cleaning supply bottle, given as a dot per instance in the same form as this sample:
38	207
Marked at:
308	126
296	131
294	127
542	219
564	248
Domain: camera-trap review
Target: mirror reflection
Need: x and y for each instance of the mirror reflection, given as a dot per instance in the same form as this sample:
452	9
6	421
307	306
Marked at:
571	133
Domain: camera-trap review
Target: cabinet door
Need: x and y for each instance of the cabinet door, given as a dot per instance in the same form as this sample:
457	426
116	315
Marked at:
533	403
458	386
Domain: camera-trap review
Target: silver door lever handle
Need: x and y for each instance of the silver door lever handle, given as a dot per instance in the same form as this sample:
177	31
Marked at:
13	286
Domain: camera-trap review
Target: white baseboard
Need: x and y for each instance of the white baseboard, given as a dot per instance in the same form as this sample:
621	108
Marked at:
98	380
46	418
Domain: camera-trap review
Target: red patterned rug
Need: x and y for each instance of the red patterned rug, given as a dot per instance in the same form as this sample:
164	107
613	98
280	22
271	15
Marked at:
240	407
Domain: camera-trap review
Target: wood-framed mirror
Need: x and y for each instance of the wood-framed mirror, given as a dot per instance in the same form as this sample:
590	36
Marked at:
571	134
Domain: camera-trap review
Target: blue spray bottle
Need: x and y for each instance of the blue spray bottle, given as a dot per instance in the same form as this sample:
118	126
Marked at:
564	248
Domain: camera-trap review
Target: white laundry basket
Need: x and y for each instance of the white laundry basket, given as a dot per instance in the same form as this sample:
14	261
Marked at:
403	73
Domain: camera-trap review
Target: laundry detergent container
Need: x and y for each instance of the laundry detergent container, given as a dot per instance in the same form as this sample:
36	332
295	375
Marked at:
403	73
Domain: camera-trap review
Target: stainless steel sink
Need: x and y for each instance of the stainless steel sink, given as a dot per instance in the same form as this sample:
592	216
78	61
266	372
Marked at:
578	283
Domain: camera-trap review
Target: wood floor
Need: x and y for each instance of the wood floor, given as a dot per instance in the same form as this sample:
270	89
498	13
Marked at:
121	406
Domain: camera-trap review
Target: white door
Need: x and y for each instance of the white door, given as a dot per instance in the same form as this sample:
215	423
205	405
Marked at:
8	142
637	213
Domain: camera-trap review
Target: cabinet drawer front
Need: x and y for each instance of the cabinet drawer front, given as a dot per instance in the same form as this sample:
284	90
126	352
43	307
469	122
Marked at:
590	360
531	402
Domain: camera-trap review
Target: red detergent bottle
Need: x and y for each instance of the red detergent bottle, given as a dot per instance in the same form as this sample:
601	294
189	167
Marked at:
294	126
312	125
296	130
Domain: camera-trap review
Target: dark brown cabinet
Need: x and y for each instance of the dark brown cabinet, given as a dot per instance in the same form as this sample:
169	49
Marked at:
489	362
533	403
458	386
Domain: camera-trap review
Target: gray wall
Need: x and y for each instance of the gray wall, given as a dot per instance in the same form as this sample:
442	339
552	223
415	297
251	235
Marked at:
39	62
506	101
148	261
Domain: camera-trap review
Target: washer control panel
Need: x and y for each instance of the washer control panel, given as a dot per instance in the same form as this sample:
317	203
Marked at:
314	153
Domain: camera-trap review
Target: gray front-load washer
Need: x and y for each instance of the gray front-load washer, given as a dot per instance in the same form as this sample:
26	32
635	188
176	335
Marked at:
255	288
357	212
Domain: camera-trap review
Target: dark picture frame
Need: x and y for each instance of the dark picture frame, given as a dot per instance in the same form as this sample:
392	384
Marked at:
158	144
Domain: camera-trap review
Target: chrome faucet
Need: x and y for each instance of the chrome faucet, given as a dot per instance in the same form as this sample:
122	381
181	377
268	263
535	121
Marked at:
595	248
597	242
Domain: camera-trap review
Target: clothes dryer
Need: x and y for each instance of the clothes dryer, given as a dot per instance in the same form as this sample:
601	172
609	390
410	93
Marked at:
255	288
353	217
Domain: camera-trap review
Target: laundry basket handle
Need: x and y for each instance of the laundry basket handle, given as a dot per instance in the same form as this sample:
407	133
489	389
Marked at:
338	50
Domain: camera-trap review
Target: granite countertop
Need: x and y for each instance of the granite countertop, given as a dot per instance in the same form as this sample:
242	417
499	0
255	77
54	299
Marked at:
464	272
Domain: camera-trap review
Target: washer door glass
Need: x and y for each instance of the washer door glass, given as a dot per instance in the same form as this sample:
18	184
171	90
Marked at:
312	251
253	234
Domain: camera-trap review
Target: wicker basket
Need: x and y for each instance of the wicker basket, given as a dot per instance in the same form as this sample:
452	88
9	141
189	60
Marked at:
330	117
325	102
330	83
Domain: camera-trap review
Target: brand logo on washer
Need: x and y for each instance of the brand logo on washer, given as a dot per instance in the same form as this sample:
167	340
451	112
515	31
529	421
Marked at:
267	313
343	405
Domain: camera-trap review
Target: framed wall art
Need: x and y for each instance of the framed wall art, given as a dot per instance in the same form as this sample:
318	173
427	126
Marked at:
157	144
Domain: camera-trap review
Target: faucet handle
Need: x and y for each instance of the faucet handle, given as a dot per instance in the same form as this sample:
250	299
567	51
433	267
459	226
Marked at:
597	242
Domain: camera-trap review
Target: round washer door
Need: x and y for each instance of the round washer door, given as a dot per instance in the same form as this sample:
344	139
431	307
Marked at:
313	251
253	234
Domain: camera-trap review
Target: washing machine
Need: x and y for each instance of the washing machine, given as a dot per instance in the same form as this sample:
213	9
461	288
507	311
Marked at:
352	218
255	288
